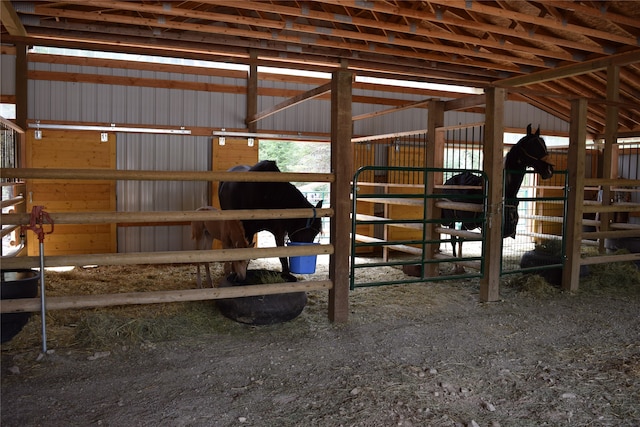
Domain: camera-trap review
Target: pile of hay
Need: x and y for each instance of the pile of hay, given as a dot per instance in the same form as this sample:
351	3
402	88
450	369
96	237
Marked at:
623	277
531	285
107	327
612	277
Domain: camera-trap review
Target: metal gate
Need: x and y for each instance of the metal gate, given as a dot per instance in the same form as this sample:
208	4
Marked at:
394	218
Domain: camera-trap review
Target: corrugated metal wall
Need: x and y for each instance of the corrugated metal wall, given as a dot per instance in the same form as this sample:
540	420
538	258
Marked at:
7	73
165	153
88	102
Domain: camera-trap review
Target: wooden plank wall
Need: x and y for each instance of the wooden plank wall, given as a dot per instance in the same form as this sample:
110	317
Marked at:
73	150
234	152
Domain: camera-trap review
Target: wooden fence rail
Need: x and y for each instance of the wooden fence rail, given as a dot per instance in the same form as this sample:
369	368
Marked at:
142	175
107	217
155	297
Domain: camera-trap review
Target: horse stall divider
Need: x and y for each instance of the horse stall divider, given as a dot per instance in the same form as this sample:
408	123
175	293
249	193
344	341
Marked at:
417	220
165	257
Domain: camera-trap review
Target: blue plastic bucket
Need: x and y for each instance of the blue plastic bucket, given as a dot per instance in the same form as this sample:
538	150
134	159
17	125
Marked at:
302	264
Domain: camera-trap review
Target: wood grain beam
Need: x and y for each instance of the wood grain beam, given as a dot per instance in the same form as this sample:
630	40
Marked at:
308	35
444	18
391	110
11	20
571	70
411	29
558	25
310	94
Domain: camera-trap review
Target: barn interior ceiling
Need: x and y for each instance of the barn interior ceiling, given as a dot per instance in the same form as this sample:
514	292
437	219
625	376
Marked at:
546	52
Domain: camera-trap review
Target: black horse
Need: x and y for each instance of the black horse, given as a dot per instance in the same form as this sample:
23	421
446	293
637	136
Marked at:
270	195
530	151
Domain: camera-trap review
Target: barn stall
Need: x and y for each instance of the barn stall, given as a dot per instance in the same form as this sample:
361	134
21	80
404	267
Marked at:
409	355
121	101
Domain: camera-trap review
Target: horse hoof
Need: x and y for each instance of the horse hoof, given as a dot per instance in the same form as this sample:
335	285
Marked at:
263	309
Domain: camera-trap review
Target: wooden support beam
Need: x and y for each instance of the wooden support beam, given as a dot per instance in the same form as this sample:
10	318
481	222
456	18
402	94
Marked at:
493	160
252	91
571	70
435	159
342	167
466	102
22	92
576	158
11	20
310	94
391	110
610	140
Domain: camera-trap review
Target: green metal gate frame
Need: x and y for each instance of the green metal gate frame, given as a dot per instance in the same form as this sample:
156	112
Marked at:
426	218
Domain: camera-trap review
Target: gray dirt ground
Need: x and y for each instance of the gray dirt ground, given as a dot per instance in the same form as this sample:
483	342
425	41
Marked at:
412	355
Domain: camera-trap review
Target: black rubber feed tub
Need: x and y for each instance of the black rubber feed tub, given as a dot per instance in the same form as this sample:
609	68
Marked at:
553	275
263	309
17	284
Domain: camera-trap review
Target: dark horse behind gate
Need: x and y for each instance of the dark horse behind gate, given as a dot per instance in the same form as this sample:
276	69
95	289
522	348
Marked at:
530	151
270	195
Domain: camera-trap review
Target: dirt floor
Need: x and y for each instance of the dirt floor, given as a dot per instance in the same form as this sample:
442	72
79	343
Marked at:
411	355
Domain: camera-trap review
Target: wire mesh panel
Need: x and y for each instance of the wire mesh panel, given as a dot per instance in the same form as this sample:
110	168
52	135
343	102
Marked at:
463	148
628	160
8	149
541	222
12	189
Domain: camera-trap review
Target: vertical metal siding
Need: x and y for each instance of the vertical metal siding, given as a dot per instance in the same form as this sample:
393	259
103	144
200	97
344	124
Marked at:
160	152
7	73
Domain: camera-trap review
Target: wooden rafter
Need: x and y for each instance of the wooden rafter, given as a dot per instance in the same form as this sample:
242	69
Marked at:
551	46
10	19
313	93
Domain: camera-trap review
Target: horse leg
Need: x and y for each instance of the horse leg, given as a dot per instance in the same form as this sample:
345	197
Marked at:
459	269
198	278
209	281
284	261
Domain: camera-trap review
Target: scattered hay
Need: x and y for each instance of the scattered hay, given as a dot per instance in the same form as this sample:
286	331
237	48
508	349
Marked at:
106	328
96	329
267	277
612	277
121	325
532	285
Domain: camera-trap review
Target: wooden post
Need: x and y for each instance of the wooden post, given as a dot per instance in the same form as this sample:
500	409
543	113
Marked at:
21	85
342	168
252	92
493	161
610	140
576	162
435	159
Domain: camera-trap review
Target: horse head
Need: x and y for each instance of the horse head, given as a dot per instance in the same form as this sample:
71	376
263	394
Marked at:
312	228
532	152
